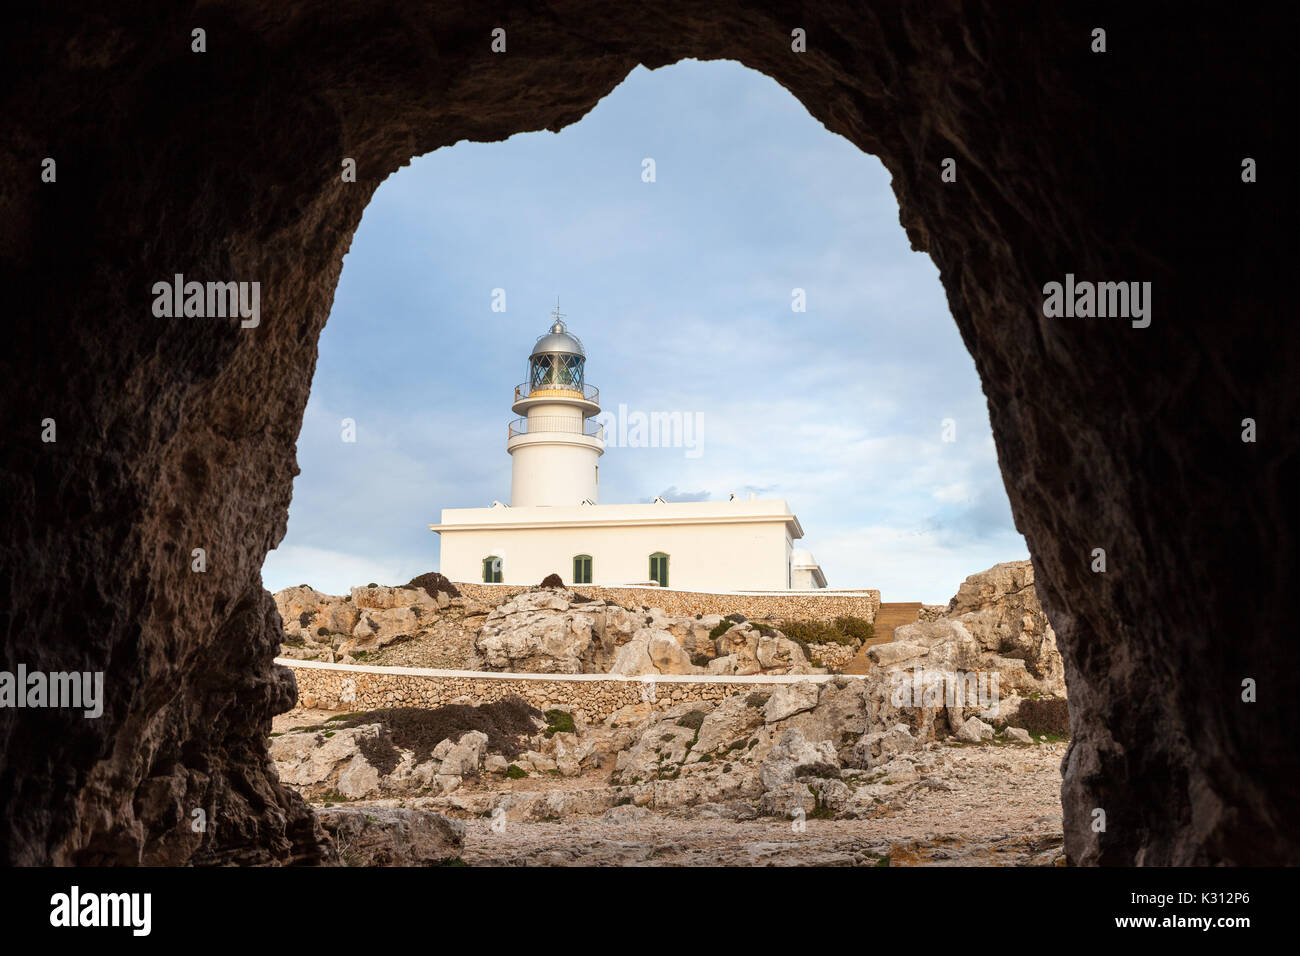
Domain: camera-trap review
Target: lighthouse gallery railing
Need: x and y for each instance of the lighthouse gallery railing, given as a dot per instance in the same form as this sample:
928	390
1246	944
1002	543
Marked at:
558	390
525	426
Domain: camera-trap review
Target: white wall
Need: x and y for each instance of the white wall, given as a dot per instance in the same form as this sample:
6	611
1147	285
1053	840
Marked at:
747	552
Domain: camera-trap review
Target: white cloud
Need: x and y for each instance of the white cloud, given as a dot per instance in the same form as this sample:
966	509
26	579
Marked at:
953	493
332	572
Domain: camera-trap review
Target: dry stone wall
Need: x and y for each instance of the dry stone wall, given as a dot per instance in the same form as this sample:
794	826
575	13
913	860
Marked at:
591	697
832	656
783	605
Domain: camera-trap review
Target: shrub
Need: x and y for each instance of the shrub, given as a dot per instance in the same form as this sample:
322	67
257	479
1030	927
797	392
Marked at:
855	628
552	581
506	722
559	722
721	628
1046	715
817	769
757	699
692	720
379	751
516	772
304	618
843	630
431	583
322	631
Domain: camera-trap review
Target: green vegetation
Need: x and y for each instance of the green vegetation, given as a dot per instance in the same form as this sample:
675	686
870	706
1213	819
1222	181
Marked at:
721	628
692	720
845	629
559	722
757	699
515	772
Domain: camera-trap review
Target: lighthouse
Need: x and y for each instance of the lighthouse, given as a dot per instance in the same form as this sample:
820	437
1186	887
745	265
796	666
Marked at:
555	525
555	447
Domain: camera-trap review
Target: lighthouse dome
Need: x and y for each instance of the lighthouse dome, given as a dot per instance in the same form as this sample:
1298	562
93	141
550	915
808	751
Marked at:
558	341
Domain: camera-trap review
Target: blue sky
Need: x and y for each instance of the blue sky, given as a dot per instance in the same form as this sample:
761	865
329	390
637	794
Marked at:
681	291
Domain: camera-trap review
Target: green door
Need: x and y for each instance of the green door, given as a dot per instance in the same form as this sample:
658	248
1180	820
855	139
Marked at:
659	568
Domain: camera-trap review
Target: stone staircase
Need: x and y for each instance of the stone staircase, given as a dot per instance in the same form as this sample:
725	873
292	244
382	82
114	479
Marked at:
888	617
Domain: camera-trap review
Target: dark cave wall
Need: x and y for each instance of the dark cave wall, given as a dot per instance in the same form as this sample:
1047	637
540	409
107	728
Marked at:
179	433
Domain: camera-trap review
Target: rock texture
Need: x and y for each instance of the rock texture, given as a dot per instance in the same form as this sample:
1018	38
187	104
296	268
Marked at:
177	434
844	748
372	624
552	630
808	605
380	836
1000	607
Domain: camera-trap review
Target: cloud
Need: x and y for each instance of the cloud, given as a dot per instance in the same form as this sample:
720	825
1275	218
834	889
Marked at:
681	292
672	494
332	572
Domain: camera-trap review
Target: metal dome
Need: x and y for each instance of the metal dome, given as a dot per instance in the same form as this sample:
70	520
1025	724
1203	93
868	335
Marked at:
559	340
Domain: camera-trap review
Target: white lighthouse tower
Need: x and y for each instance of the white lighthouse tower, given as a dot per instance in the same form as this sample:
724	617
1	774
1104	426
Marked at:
555	449
554	524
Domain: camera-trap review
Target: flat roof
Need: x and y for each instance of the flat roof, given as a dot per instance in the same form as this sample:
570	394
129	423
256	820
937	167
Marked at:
629	515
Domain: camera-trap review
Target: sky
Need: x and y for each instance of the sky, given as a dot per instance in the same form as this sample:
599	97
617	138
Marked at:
682	291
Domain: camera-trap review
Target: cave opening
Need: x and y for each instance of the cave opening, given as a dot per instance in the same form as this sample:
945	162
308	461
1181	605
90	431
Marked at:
176	434
758	330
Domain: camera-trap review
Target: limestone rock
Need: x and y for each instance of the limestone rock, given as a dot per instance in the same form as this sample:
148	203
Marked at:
974	731
466	756
790	699
883	745
727	724
792	750
381	836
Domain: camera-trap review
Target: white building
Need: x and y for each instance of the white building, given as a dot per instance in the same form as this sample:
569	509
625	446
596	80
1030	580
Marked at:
554	523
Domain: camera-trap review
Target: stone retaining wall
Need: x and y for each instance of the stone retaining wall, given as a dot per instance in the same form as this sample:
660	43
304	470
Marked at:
818	605
833	656
592	697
